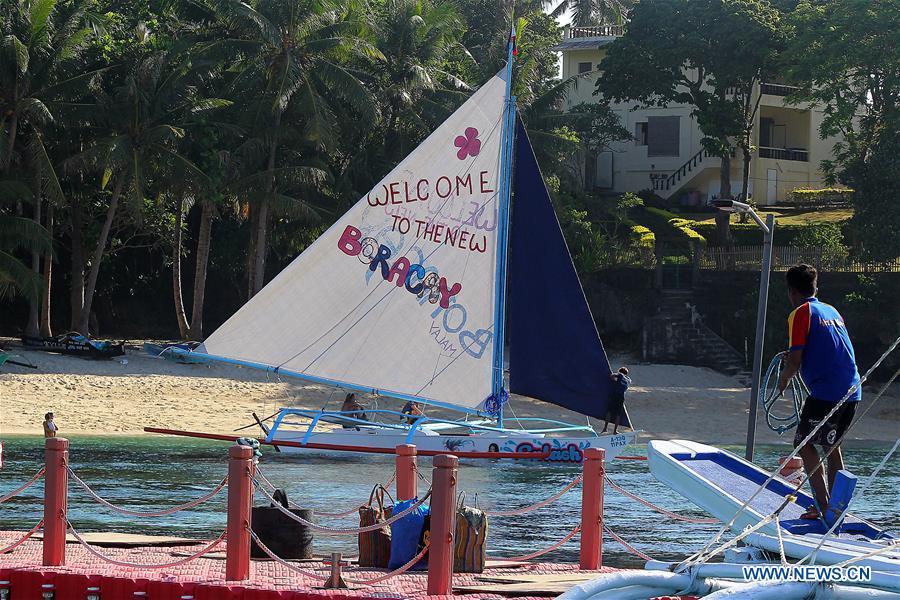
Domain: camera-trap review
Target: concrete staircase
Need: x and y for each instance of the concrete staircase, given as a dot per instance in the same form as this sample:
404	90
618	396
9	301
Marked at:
676	333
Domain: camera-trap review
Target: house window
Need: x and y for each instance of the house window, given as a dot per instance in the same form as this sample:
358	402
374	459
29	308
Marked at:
640	134
663	136
584	67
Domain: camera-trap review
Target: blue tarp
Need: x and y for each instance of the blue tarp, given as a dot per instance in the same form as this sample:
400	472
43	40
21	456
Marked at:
555	353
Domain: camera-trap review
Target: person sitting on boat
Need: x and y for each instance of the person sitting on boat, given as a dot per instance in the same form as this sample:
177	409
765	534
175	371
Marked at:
352	408
50	427
615	405
414	410
821	350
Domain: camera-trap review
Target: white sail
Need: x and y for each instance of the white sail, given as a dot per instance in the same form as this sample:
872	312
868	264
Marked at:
399	294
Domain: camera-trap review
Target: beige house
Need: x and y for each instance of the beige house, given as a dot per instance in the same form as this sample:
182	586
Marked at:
666	155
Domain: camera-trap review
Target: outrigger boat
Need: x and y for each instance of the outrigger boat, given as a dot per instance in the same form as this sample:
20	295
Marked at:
413	292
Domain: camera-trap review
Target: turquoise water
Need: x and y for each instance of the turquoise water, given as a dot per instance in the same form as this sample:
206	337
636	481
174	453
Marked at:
145	473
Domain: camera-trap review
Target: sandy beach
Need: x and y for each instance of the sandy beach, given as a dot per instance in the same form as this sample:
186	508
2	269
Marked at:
109	397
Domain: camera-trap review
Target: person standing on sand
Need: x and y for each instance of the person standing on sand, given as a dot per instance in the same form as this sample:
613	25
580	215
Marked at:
50	428
615	405
820	348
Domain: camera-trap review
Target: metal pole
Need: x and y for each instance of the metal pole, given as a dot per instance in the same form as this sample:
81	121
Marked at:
760	333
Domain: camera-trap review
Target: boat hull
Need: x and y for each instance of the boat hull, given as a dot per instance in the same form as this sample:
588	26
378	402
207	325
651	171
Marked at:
562	450
721	482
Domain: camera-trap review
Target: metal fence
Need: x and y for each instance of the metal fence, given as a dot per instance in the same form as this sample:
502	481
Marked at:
749	258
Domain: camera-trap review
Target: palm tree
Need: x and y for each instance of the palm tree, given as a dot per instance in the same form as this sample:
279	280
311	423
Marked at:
19	234
290	54
39	51
592	12
144	117
416	38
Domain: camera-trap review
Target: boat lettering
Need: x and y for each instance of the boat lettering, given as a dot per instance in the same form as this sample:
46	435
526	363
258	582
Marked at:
569	453
402	192
401	271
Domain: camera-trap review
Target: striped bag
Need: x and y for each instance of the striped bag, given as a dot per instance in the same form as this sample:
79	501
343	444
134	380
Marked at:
470	539
375	546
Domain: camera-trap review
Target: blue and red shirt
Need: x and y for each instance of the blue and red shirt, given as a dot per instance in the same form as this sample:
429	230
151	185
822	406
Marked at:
829	363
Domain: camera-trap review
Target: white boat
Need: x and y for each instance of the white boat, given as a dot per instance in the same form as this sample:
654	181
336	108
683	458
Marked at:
412	293
721	482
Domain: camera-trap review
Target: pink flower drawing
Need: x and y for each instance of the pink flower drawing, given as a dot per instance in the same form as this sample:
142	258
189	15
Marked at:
468	144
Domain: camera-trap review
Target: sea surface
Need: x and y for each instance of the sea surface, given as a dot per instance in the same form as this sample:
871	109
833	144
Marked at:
145	473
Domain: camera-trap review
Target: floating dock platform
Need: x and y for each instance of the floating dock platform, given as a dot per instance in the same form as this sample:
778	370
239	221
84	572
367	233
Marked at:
23	577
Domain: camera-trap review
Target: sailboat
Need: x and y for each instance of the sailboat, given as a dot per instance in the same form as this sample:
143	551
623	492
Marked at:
412	293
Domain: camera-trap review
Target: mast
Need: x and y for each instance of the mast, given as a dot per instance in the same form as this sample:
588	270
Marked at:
509	115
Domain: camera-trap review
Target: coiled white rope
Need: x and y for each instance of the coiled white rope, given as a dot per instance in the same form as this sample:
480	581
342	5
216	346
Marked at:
346	530
121	563
157	513
23	487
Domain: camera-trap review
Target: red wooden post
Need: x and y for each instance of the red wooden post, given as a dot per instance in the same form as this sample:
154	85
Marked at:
56	485
240	499
406	472
443	525
591	557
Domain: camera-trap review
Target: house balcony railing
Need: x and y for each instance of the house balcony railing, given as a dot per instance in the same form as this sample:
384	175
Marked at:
777	89
596	31
784	153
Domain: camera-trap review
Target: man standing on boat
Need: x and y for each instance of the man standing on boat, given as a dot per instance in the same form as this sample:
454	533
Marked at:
821	350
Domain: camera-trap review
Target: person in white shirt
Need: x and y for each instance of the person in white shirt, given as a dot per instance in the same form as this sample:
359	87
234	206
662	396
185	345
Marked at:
50	428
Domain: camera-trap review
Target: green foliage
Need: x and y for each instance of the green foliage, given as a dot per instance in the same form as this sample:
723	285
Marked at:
826	196
821	235
684	51
669	227
644	236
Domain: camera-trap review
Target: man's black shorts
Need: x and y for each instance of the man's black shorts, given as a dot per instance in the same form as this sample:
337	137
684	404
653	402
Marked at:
814	410
615	405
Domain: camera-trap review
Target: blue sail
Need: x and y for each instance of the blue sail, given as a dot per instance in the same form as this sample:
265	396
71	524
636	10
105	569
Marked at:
555	352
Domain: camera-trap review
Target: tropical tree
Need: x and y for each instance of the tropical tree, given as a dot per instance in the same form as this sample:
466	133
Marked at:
288	55
713	70
585	13
19	234
41	45
142	117
844	58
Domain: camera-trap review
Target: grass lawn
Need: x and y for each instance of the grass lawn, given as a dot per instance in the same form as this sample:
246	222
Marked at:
804	216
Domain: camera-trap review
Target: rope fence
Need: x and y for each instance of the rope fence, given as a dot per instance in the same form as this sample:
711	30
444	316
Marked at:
345	530
652	506
24	486
157	513
536	505
369	581
328	515
121	563
547	550
22	539
631	549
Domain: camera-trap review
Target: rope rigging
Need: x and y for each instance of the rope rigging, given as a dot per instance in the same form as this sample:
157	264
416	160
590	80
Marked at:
704	555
